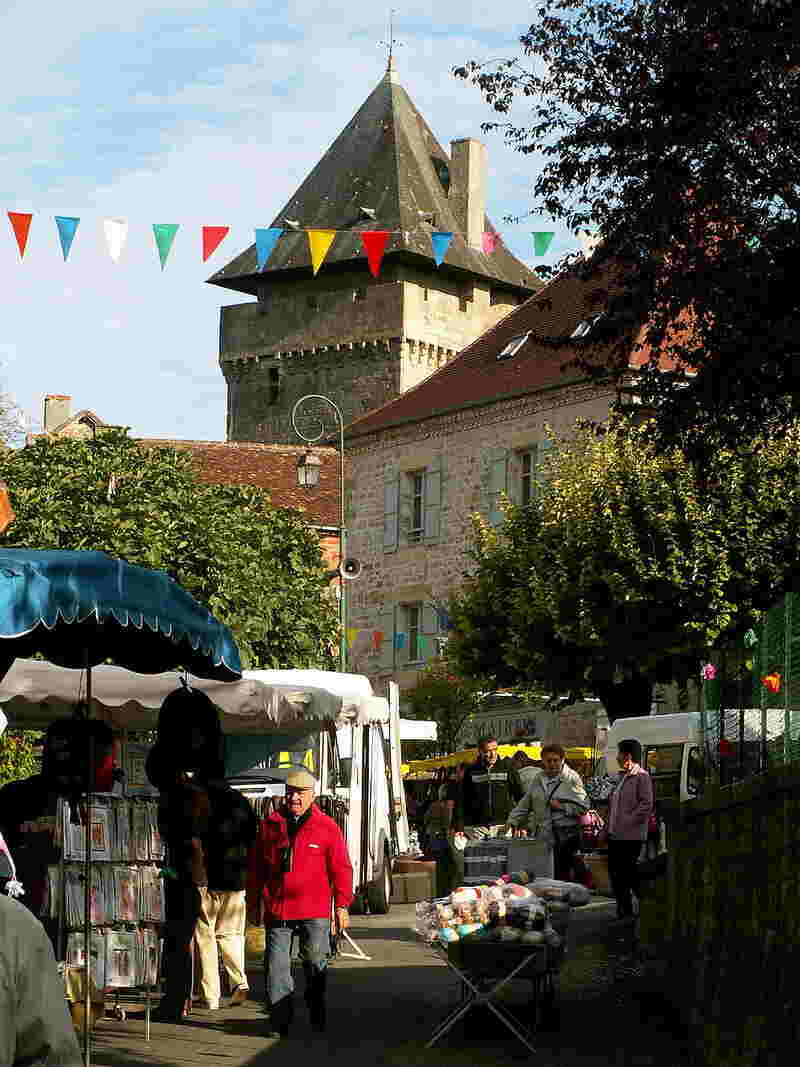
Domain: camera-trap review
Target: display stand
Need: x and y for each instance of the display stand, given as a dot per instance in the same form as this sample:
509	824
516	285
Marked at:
126	897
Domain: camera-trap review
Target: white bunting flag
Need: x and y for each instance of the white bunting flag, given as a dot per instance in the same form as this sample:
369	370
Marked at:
116	231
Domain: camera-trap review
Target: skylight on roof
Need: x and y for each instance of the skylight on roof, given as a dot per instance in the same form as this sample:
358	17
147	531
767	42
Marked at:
513	346
585	326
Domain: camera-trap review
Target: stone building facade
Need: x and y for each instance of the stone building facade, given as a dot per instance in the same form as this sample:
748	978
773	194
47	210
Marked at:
358	339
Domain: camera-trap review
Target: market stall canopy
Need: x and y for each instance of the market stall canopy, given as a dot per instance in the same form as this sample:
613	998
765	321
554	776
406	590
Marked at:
81	609
34	693
469	755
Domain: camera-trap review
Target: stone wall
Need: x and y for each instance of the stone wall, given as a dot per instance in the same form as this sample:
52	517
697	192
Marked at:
461	447
726	920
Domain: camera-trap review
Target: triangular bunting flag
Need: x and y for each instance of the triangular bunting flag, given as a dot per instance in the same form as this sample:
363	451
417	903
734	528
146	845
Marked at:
164	233
441	242
265	242
212	238
20	224
374	242
377	639
541	242
352	634
116	231
66	232
319	241
489	242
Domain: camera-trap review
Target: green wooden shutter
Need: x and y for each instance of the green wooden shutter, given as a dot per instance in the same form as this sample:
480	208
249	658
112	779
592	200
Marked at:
391	508
540	452
386	624
498	483
430	629
432	502
405	507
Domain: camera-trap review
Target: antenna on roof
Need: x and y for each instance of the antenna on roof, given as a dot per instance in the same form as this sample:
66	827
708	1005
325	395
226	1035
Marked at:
390	45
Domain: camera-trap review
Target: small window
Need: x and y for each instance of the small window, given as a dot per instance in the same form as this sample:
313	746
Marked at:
359	294
417	486
527	467
513	346
274	384
585	327
413	621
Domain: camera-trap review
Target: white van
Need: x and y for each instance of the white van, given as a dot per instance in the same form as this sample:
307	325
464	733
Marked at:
672	752
357	768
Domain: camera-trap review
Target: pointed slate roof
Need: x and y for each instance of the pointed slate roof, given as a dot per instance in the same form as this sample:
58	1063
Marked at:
385	159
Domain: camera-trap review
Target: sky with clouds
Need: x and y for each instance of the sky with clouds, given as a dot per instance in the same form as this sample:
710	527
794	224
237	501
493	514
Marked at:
200	114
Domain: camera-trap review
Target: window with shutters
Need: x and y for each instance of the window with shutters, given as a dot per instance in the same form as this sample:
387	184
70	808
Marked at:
497	484
412	507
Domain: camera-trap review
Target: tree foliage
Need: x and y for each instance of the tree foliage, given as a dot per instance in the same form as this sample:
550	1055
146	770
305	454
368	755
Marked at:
257	568
440	695
629	566
19	754
672	129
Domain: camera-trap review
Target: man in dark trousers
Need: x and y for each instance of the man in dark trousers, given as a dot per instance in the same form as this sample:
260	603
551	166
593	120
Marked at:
490	789
300	872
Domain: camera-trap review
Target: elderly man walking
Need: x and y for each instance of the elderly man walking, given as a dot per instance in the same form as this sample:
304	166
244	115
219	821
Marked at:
299	869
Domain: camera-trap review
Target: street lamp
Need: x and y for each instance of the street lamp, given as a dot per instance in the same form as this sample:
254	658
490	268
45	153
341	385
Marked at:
308	473
308	466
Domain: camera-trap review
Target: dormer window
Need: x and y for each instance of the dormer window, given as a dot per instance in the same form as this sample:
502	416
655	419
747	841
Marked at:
585	327
513	346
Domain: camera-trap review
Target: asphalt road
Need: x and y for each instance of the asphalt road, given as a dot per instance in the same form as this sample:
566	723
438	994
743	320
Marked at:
383	1011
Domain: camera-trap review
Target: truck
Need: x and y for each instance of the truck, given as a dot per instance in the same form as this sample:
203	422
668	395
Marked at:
357	768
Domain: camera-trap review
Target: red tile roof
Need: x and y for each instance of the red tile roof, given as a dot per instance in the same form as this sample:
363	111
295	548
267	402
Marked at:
477	377
269	467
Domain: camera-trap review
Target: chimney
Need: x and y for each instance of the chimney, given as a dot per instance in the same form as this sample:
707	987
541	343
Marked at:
468	188
57	409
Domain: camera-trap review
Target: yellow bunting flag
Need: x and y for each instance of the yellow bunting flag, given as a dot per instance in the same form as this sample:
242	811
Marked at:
352	634
319	241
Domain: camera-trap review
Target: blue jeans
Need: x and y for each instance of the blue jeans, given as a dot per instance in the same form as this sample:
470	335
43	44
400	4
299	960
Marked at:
315	945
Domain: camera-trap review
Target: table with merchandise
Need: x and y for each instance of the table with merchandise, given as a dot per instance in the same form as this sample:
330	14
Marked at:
510	927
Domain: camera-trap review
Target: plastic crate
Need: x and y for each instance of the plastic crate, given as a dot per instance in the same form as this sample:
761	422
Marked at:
485	861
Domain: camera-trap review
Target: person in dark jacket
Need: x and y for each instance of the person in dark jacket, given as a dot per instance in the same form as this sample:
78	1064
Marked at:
189	742
490	789
300	872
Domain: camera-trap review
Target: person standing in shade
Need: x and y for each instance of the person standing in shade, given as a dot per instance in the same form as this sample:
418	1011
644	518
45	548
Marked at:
630	806
219	931
490	789
300	871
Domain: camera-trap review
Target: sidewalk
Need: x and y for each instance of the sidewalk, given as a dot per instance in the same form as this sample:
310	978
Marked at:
382	1012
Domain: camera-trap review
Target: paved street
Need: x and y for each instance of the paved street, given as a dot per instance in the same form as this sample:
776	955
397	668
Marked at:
383	1011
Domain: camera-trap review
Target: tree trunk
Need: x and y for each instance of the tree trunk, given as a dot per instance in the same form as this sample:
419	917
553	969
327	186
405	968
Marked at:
625	700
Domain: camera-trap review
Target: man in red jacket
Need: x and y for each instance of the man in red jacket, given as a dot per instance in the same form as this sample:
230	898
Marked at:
299	866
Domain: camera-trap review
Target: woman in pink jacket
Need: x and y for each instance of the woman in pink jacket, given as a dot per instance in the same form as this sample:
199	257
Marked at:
630	807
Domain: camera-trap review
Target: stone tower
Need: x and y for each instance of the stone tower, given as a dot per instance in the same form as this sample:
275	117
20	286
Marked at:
357	339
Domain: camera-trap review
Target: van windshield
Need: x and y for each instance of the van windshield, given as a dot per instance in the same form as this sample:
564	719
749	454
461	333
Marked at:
304	752
663	763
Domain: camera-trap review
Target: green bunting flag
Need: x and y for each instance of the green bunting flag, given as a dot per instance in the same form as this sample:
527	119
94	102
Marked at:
541	242
164	233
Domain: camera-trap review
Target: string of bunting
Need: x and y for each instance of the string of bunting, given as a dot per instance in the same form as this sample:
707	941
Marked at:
115	232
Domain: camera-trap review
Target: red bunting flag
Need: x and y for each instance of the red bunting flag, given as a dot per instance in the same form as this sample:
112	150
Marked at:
213	236
374	242
489	242
20	224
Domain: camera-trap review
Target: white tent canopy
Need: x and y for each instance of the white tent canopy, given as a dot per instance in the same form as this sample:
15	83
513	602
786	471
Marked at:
34	693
